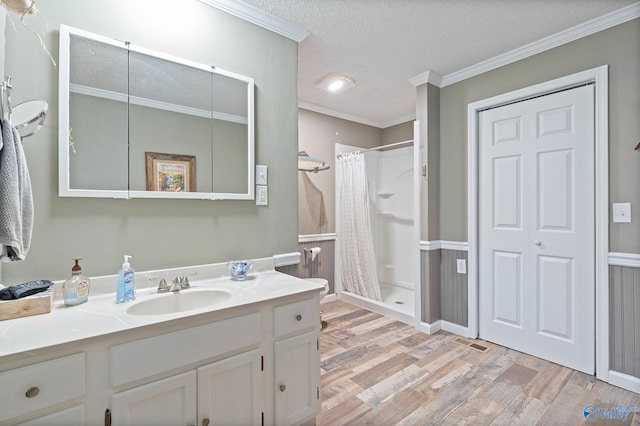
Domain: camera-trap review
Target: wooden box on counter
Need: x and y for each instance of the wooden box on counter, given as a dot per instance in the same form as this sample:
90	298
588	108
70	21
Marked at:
36	304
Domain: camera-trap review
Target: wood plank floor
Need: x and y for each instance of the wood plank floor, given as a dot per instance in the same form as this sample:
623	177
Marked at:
379	371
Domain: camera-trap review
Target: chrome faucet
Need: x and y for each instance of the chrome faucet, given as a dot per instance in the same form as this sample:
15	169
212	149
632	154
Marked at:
178	283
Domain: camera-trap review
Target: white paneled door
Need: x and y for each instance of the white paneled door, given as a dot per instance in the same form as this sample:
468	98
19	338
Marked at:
537	227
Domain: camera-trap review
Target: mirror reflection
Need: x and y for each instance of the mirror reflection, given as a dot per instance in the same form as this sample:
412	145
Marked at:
145	124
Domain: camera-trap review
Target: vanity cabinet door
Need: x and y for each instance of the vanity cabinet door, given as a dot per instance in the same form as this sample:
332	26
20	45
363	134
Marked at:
297	378
229	391
171	401
70	416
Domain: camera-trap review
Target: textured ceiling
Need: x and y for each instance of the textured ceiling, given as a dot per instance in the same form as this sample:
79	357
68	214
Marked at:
384	43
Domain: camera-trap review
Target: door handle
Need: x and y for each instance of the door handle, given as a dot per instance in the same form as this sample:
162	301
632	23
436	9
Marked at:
537	243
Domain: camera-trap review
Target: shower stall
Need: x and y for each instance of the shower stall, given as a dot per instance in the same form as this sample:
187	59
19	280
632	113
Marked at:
391	180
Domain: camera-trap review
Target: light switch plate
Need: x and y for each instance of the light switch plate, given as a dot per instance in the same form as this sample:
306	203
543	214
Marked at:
261	175
262	195
461	266
622	212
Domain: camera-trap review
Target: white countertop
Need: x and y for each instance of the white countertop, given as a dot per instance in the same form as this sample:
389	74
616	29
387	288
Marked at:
100	315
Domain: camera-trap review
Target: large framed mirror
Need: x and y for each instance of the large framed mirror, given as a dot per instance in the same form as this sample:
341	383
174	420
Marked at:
136	123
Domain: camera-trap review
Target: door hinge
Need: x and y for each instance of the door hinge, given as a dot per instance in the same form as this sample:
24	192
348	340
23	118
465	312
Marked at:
318	391
107	417
318	344
261	362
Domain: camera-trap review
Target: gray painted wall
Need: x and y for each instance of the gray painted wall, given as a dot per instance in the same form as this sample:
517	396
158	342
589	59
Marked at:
617	47
444	294
624	313
322	267
398	133
158	233
453	289
318	134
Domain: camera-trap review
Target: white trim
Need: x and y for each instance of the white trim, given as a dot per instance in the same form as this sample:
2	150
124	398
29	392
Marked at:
456	329
428	328
151	103
316	237
599	75
593	26
624	259
375	306
417	226
260	18
444	245
329	298
337	114
427	77
443	325
624	381
286	259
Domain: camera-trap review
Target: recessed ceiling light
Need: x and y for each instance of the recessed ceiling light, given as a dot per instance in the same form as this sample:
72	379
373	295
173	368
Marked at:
335	83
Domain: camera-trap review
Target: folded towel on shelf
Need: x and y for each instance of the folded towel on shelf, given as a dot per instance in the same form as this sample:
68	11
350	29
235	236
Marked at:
16	200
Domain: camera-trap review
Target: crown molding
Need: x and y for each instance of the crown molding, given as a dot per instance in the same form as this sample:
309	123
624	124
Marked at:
260	18
427	77
601	23
337	114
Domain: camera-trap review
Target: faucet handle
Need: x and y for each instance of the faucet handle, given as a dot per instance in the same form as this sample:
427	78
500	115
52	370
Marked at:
184	281
163	287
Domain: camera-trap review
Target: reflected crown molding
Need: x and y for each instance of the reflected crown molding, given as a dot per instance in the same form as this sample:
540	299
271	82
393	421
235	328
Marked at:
150	103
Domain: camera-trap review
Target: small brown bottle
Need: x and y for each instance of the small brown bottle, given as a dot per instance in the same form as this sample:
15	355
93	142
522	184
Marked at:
75	290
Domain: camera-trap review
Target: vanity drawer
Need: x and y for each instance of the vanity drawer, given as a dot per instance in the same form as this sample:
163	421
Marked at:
295	317
41	385
154	355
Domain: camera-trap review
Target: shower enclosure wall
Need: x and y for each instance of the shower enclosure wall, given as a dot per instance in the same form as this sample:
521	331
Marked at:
390	176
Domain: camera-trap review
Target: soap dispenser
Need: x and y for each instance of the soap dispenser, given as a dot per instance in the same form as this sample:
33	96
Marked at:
75	290
126	291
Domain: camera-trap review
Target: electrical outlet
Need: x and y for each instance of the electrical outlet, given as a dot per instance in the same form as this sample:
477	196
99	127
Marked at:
461	266
622	212
262	195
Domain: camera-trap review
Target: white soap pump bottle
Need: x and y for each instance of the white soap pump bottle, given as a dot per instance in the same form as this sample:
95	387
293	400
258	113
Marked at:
126	291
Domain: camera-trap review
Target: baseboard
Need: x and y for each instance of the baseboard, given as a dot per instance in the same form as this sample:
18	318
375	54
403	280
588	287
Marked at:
329	298
428	328
624	381
454	328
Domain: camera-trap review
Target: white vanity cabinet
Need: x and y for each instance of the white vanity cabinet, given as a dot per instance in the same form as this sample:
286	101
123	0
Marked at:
170	401
297	360
47	387
222	392
229	391
251	364
226	392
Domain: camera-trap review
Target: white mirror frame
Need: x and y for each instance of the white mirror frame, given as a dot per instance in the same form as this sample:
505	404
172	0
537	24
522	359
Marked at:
64	189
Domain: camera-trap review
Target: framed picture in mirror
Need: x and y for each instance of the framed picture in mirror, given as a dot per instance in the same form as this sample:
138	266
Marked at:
170	172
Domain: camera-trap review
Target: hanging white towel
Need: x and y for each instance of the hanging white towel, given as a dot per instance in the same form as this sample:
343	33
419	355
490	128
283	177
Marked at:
16	200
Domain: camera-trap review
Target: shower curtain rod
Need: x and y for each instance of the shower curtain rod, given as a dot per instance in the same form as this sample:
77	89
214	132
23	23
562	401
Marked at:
379	148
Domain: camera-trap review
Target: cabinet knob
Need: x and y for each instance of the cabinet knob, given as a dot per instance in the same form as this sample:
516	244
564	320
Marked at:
32	392
298	317
206	421
282	388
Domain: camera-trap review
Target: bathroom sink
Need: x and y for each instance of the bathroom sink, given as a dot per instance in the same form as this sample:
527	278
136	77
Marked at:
181	301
